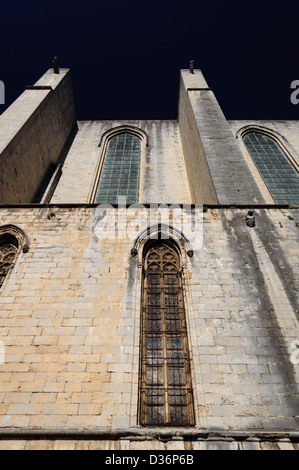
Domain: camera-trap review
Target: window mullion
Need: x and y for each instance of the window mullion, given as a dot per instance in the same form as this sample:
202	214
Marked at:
144	355
164	349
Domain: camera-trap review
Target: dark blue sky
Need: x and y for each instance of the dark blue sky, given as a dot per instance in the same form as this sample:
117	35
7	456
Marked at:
125	57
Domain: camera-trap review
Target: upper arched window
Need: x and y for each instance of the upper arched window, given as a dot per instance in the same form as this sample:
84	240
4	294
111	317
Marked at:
8	253
165	388
120	174
279	175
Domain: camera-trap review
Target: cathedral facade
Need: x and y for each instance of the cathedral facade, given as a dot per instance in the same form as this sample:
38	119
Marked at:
149	276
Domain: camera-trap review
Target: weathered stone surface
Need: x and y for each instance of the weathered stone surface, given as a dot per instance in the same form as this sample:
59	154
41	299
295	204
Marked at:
70	305
217	170
33	134
70	322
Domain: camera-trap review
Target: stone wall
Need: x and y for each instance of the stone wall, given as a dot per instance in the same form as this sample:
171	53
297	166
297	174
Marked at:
33	133
199	175
70	321
215	165
157	444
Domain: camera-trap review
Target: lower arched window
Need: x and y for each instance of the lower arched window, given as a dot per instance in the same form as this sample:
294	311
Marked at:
165	388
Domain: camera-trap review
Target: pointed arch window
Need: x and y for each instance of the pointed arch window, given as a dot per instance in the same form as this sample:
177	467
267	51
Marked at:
120	174
8	253
279	175
165	388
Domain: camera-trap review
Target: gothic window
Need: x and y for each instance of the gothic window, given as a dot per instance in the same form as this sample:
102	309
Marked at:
165	389
279	175
120	174
8	252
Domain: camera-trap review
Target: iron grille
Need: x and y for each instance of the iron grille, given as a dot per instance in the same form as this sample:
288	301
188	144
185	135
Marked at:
166	393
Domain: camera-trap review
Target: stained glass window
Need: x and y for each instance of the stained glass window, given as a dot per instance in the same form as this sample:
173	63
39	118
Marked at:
120	175
166	394
279	175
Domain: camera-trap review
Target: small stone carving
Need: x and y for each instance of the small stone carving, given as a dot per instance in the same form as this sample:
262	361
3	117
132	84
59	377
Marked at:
191	66
55	65
250	219
134	252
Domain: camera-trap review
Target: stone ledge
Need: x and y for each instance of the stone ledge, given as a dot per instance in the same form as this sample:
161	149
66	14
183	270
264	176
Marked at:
148	434
147	205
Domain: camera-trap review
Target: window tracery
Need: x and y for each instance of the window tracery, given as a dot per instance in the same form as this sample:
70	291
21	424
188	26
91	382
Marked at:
8	252
166	393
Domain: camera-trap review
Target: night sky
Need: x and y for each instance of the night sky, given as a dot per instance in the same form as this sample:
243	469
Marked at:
125	57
